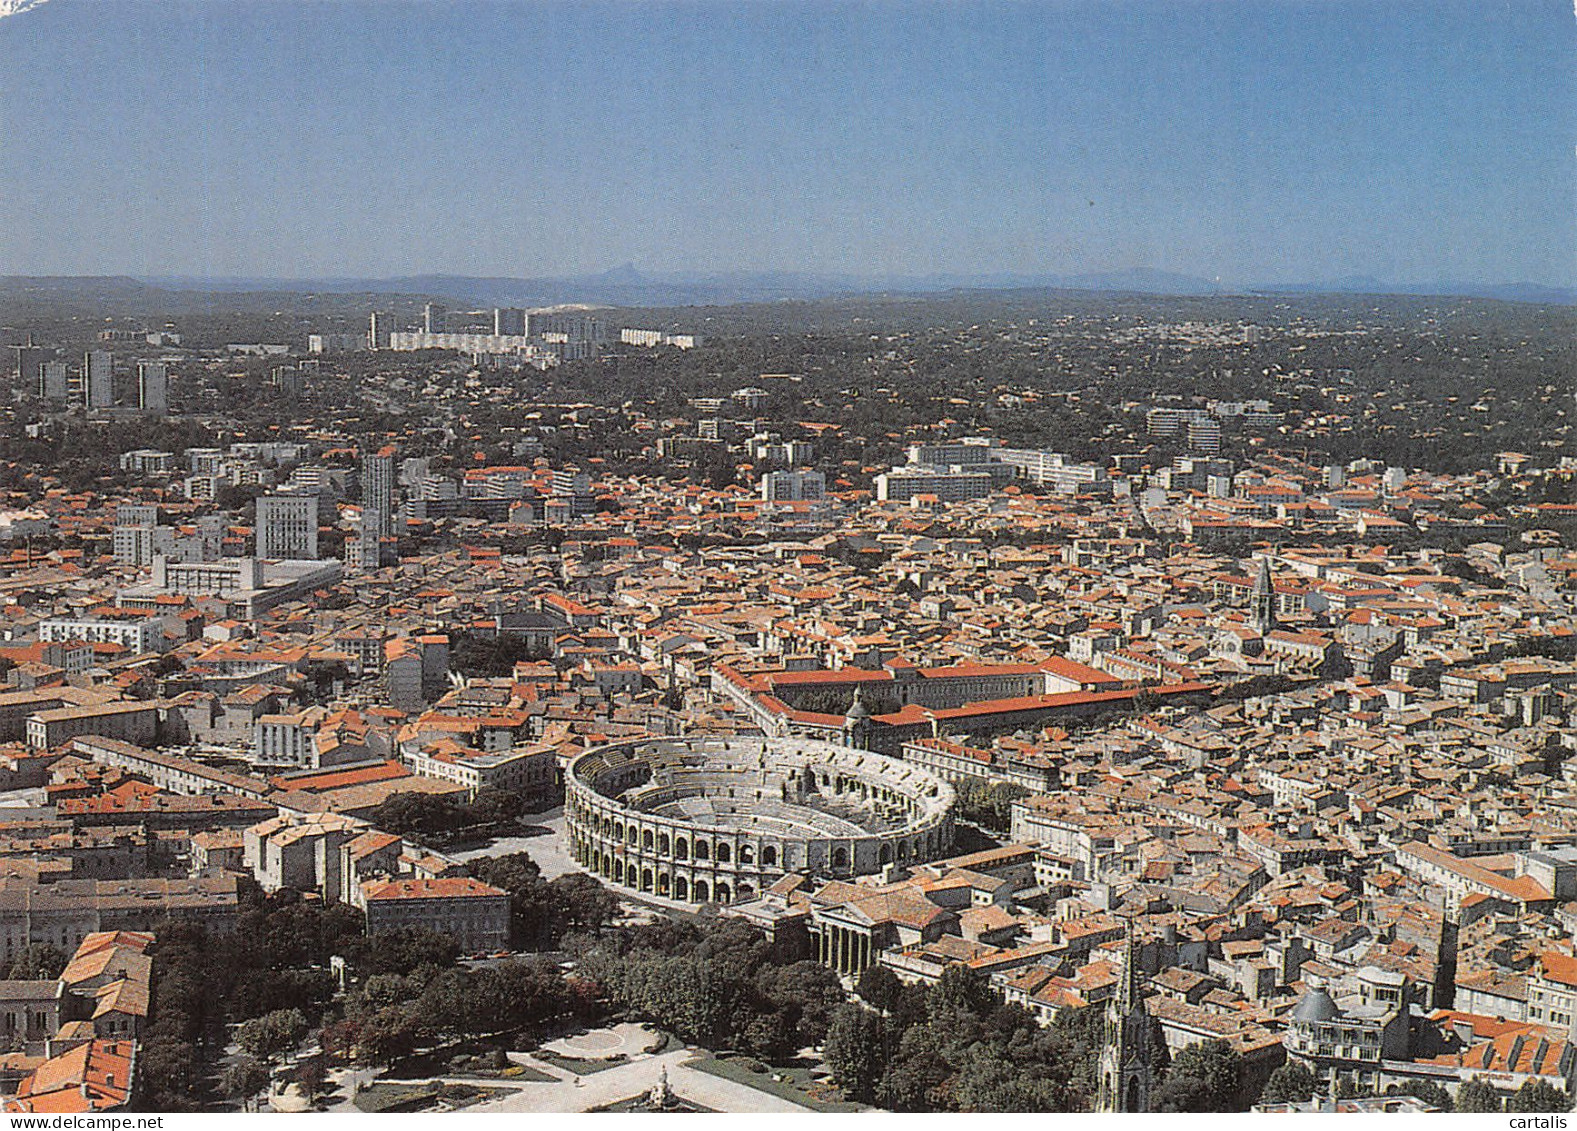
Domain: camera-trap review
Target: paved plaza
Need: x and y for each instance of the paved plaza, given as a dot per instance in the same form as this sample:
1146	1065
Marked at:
577	1092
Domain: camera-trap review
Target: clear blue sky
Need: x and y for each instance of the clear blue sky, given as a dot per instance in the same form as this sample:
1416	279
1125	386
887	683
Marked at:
1269	140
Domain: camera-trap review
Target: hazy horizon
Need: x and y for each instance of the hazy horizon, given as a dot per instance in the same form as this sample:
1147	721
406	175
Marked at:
1254	143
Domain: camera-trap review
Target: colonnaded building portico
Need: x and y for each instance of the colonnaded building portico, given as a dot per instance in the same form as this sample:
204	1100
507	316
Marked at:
721	819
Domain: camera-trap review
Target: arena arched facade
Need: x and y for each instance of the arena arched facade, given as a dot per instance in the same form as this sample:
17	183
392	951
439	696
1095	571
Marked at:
719	820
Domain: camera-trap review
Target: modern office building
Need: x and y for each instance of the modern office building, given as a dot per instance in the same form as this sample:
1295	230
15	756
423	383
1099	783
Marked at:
632	336
289	380
964	452
378	473
574	488
1055	470
248	587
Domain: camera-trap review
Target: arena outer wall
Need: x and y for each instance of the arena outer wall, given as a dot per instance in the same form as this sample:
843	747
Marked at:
784	787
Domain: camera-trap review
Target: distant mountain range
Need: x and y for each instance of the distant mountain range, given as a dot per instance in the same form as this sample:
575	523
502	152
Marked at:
627	286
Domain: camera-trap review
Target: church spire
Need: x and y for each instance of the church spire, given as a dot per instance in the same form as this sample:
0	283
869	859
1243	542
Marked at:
1127	1068
1264	599
1131	993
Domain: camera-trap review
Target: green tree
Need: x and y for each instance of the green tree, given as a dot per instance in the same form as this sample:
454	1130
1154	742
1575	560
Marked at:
419	814
37	962
1203	1077
273	1033
1428	1091
472	654
961	990
915	1075
1292	1082
494	804
382	990
533	910
880	987
582	903
388	1034
167	1073
988	804
403	950
263	991
1027	1073
1538	1096
802	998
244	1079
1478	1097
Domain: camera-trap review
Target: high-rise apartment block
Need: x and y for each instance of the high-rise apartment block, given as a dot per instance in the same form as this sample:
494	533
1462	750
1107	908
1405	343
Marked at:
1205	435
379	326
793	486
153	387
336	343
574	488
287	527
98	379
377	505
55	381
377	491
289	380
567	325
30	361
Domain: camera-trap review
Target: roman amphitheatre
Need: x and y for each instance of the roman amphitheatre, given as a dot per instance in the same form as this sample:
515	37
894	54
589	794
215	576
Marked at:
700	820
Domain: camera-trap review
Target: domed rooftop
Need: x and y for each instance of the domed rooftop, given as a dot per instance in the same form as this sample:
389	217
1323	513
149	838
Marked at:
1315	1005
